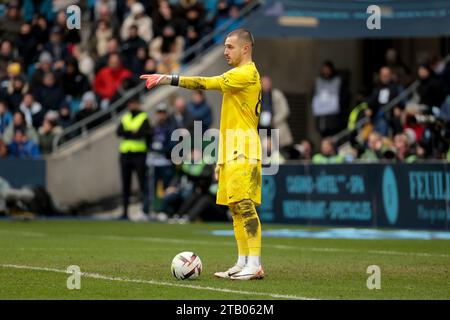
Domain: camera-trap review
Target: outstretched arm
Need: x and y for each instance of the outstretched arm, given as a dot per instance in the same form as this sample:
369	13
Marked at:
194	83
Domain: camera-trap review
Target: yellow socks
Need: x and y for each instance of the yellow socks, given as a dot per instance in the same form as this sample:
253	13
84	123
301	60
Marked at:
241	238
249	228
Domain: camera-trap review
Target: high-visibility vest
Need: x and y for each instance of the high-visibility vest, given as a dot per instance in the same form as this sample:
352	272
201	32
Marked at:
353	118
321	159
131	124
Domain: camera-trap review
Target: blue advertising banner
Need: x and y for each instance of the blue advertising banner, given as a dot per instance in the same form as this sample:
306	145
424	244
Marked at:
370	195
21	172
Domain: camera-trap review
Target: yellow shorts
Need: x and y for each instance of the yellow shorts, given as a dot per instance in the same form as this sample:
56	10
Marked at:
239	180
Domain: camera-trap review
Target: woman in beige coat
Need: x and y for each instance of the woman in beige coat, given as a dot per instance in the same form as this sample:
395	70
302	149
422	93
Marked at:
275	111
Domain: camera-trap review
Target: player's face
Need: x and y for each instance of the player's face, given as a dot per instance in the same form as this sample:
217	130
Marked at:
233	51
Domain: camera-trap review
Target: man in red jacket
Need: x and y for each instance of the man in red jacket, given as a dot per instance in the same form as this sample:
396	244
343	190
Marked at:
109	78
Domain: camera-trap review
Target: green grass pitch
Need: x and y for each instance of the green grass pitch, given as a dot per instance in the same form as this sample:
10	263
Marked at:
123	260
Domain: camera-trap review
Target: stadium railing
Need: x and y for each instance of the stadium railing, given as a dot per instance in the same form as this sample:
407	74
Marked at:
82	128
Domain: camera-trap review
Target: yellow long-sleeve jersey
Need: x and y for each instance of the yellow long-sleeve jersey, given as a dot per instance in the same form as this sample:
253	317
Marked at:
241	106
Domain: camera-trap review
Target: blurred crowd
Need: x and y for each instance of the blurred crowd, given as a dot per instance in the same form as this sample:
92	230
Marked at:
411	128
52	77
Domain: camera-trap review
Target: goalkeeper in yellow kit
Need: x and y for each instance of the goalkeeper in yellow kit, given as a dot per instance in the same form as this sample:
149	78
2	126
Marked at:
238	167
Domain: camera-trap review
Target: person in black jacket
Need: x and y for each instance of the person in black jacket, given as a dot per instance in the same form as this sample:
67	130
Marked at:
26	45
74	83
49	94
430	91
384	92
131	45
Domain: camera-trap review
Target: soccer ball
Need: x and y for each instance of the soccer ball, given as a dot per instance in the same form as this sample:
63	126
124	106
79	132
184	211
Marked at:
186	265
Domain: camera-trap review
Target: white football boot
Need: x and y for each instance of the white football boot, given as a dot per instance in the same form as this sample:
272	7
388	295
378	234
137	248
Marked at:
227	274
249	273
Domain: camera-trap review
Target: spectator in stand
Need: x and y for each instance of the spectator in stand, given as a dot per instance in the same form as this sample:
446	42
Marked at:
181	117
330	99
163	17
168	64
109	78
195	29
411	122
19	122
103	33
113	47
40	31
141	20
26	45
3	149
373	151
47	133
402	147
56	47
105	12
168	43
430	91
6	81
88	107
15	91
138	62
65	116
400	72
303	150
131	44
44	66
275	112
85	62
102	6
74	83
420	152
150	66
161	147
11	22
200	109
6	53
23	148
49	94
327	153
33	111
5	117
382	94
179	189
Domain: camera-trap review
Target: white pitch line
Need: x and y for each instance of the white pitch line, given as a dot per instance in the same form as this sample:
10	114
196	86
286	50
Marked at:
23	233
158	283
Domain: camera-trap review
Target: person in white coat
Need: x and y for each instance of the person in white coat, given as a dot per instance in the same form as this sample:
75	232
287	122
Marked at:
141	20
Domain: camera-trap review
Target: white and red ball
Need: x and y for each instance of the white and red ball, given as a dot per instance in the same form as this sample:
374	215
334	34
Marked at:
186	265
